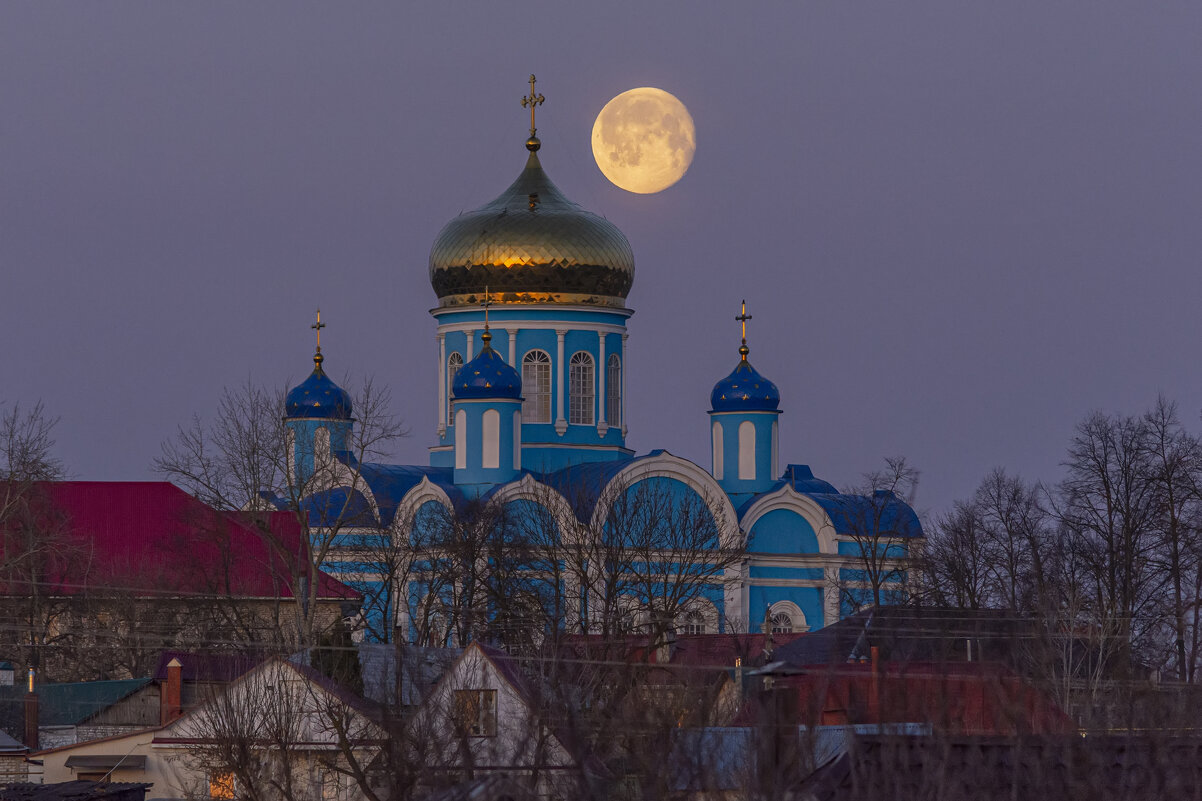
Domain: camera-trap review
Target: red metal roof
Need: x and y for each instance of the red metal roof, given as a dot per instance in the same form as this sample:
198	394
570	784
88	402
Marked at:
152	538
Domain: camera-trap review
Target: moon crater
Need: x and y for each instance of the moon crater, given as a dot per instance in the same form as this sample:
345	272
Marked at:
644	140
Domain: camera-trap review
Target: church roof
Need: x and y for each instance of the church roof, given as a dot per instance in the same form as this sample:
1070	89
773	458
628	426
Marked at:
744	390
487	376
880	514
318	397
531	245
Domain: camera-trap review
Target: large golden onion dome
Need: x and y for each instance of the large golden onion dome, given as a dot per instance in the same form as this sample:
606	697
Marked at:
531	245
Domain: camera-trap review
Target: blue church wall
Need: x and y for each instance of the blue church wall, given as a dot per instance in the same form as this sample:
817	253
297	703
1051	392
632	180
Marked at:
786	573
652	506
304	433
430	519
807	599
531	522
884	549
783	531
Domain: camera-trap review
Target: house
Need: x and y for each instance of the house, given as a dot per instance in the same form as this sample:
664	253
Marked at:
129	569
235	739
485	719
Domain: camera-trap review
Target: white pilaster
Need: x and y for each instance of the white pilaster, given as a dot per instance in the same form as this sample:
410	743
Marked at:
561	423
830	596
602	369
471	346
442	384
622	398
511	334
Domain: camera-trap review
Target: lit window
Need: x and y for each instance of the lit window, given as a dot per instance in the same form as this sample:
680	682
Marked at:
613	391
536	387
580	378
476	712
454	362
221	785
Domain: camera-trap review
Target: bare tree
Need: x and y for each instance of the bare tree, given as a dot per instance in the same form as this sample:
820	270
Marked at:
874	518
242	460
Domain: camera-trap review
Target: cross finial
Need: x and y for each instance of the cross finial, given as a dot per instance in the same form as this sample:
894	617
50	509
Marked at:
742	319
531	101
317	326
487	335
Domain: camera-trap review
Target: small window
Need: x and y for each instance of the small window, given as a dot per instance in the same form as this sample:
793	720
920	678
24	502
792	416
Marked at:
536	387
581	380
454	362
781	623
613	391
222	785
476	712
694	622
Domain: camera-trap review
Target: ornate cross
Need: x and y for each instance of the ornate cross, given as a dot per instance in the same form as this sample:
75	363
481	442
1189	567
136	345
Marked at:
743	318
532	100
317	326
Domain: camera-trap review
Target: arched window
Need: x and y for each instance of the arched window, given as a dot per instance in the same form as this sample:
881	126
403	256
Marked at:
461	440
719	452
454	362
536	387
786	617
490	433
746	451
694	622
580	382
613	391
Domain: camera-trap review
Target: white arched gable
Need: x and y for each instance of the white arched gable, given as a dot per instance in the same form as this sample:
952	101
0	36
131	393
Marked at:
665	465
414	499
794	613
528	489
788	498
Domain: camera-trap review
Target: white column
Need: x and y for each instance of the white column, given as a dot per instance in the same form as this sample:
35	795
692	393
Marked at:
622	398
602	368
512	335
561	423
830	596
471	346
442	384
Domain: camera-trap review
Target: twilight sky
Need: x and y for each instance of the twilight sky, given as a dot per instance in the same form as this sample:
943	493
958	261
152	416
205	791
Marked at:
960	226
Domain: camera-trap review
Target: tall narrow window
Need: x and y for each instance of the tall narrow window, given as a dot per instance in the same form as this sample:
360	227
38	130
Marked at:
536	387
580	380
490	432
613	391
454	362
746	451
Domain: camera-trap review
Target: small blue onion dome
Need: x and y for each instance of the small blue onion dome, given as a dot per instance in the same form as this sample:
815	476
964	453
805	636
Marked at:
487	376
744	390
318	397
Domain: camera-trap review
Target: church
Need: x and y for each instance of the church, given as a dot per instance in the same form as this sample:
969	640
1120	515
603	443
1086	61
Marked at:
531	391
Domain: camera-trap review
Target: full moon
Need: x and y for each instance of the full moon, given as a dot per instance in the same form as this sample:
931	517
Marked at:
644	140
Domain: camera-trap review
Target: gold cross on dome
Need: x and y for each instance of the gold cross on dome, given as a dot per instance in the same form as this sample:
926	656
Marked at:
743	318
532	100
485	304
317	326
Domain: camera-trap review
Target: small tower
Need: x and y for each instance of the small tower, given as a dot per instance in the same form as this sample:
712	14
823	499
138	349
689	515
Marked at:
318	415
743	408
487	396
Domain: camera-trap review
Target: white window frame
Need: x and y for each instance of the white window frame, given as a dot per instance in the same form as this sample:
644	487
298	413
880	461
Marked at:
536	401
454	362
582	383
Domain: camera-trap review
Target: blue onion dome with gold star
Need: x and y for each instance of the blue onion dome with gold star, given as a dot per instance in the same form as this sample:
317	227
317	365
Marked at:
487	377
318	397
532	245
745	390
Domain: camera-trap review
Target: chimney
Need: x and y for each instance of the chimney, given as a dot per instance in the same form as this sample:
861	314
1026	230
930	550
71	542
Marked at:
31	716
171	704
874	691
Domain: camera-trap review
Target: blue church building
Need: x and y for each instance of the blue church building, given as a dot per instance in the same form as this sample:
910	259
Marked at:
531	390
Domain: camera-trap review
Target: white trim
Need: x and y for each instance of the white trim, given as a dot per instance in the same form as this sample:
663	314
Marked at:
529	489
665	465
402	521
561	424
602	401
788	498
719	451
442	385
511	334
460	439
746	435
490	439
796	616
